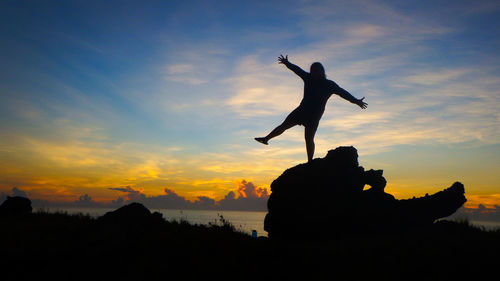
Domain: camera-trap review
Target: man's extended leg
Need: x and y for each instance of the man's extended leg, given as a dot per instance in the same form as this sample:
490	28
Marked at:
310	131
287	124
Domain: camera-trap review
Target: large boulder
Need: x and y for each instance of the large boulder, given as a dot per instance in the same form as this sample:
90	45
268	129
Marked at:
16	205
327	197
131	214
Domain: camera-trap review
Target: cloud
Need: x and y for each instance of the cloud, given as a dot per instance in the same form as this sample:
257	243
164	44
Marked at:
367	57
170	200
481	213
372	58
17	192
70	158
185	73
482	7
436	77
122	189
262	89
488	201
366	31
249	190
194	64
179	68
250	198
441	106
204	203
118	202
132	195
85	201
186	79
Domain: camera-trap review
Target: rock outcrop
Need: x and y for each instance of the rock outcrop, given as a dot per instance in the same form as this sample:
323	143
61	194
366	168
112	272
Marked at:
16	205
326	197
131	214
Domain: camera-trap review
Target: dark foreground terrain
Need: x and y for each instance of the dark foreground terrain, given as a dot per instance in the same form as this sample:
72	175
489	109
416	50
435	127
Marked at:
58	246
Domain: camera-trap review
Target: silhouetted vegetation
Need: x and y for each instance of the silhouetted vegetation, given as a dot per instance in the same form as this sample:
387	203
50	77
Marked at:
80	247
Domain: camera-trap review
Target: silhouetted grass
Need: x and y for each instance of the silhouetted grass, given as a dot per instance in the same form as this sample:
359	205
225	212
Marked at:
79	247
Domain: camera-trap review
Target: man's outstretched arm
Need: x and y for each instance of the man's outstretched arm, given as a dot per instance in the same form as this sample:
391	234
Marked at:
299	71
347	96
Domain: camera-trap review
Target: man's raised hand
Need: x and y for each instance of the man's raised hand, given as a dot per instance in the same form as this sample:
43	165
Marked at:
282	59
361	103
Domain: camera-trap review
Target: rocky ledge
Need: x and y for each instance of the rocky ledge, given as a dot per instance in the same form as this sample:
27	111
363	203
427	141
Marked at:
327	197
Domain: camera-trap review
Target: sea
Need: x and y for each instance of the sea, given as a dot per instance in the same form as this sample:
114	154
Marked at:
242	220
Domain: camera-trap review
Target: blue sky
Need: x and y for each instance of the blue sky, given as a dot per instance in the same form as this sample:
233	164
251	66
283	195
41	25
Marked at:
171	93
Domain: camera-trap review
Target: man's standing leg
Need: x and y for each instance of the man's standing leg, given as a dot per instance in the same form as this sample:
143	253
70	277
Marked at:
310	131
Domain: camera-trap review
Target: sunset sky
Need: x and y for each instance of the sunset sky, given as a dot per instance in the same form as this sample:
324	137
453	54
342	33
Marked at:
98	96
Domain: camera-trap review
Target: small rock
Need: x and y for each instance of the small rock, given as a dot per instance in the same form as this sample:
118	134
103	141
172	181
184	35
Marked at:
16	205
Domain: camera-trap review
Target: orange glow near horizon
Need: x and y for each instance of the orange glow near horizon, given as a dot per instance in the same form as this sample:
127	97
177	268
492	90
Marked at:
46	190
489	201
46	170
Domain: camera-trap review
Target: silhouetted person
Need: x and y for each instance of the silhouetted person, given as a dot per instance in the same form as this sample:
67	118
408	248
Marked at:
317	91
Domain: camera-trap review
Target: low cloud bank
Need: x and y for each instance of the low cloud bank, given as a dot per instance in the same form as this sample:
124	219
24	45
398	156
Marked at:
481	213
247	197
18	192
